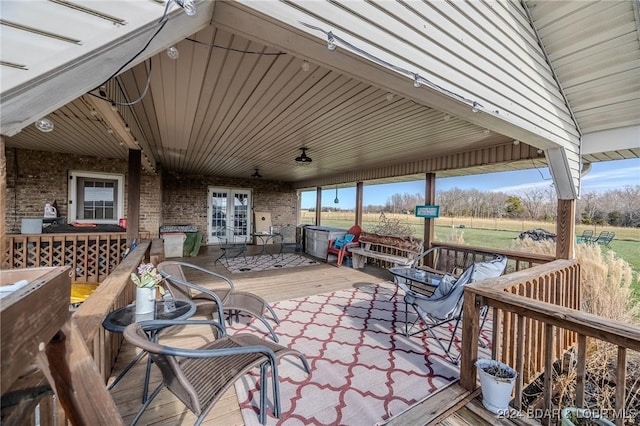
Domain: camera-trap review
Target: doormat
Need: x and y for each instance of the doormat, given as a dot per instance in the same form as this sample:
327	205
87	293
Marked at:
266	262
364	371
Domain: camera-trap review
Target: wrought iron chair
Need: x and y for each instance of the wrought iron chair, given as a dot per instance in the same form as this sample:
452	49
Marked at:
288	241
445	304
199	377
231	245
340	247
232	301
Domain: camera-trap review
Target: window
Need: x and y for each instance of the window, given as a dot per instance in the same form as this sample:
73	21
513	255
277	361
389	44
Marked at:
95	197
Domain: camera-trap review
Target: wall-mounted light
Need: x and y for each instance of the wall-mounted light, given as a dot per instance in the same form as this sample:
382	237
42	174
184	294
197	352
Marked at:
44	125
303	159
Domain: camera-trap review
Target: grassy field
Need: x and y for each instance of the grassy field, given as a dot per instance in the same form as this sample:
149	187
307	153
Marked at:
491	233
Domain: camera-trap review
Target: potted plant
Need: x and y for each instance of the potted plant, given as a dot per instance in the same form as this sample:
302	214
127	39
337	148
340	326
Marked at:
573	416
147	280
496	380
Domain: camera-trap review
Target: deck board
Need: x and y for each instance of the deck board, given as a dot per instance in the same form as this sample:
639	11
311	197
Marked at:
274	286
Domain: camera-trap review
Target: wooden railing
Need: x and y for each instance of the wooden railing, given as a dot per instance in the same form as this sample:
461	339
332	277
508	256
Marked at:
536	319
92	257
116	291
517	260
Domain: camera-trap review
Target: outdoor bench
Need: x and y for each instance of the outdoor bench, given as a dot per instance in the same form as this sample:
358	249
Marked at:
399	251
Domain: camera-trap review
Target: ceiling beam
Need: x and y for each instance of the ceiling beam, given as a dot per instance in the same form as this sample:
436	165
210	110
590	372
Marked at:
117	124
611	140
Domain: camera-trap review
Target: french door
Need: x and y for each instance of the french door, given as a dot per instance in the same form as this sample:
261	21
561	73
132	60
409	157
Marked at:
229	208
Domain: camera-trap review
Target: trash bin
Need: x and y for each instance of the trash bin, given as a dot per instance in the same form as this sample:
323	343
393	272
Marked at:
173	244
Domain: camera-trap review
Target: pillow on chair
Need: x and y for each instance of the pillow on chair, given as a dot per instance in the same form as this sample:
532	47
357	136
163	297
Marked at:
339	242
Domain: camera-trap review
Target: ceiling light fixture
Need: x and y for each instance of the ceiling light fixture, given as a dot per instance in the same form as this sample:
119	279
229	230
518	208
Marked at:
256	175
305	66
44	125
337	200
447	117
302	158
474	107
173	52
516	142
188	6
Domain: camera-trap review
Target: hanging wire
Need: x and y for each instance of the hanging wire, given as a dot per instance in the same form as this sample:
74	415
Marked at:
251	52
417	78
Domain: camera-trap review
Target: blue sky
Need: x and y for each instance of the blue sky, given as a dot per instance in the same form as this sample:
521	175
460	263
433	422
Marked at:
604	176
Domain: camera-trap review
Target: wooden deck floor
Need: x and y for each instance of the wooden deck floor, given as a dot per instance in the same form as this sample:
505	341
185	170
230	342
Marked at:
451	406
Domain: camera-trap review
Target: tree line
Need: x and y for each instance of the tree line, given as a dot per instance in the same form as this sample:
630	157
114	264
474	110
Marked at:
618	207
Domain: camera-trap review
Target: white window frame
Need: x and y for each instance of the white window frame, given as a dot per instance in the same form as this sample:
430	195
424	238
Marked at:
73	191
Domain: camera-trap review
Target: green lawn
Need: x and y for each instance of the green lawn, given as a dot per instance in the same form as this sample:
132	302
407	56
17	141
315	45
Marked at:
628	250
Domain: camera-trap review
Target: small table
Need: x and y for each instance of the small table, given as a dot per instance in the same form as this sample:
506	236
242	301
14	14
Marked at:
265	238
116	321
417	279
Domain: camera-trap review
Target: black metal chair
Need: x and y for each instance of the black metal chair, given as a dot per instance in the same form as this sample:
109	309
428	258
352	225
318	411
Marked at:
231	245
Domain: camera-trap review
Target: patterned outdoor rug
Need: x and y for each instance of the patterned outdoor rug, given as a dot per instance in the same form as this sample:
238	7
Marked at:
267	262
364	371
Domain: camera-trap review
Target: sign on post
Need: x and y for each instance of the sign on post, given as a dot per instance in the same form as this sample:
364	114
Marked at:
428	212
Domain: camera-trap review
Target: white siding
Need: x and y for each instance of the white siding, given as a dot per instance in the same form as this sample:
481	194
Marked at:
482	51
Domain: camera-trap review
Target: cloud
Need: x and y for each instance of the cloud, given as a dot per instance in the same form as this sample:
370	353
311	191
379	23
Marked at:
523	187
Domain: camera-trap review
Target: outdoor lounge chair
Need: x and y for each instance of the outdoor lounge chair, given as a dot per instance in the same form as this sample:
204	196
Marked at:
233	301
605	238
586	237
199	377
445	304
340	246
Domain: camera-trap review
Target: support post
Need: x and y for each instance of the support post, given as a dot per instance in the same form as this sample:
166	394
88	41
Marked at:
359	197
133	195
566	229
429	199
3	205
470	335
318	205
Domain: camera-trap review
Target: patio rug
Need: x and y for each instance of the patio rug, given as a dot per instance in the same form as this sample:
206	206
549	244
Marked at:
266	262
363	372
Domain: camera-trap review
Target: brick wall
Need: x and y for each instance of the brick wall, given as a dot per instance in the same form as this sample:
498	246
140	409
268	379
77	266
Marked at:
185	199
35	178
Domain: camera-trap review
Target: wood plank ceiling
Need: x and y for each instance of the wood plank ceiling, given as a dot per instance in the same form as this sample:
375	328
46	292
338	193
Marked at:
228	106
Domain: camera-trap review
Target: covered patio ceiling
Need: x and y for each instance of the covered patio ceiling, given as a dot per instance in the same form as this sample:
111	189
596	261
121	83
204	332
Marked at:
229	104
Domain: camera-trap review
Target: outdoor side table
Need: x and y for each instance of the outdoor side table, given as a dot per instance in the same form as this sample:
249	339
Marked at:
116	321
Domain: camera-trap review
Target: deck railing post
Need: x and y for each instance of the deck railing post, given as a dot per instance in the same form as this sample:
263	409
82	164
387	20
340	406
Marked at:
472	305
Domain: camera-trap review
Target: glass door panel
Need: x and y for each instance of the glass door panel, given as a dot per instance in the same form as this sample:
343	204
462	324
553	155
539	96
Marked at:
229	209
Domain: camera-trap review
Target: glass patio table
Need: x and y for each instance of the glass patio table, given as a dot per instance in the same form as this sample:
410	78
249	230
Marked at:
116	321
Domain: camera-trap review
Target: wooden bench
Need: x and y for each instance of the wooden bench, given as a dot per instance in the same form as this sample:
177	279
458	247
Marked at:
398	251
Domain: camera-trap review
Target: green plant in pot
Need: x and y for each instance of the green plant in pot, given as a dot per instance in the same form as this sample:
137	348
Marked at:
496	380
147	280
